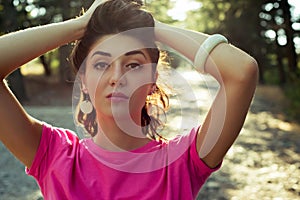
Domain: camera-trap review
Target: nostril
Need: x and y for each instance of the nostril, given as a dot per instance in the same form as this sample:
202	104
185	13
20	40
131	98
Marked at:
117	80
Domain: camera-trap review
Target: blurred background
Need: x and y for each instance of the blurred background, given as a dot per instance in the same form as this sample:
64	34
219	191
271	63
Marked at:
267	29
263	164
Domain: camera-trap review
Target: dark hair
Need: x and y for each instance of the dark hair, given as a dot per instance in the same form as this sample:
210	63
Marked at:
113	17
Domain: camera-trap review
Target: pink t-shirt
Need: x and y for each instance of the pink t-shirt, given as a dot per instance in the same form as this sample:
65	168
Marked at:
68	168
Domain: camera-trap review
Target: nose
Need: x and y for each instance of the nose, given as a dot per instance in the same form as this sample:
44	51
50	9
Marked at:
117	77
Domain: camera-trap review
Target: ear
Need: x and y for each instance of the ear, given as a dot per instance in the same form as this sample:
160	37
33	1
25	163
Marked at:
83	83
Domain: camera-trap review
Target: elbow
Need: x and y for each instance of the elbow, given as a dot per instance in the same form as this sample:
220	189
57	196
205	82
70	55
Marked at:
2	78
252	70
3	75
249	72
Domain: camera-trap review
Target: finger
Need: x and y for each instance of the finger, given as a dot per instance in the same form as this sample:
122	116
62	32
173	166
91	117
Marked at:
94	6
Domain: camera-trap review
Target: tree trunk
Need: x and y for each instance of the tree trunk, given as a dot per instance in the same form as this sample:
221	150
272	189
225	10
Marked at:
64	51
292	55
46	65
15	79
16	84
280	57
66	74
282	78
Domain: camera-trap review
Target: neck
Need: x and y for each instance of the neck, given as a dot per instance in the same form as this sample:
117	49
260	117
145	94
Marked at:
122	135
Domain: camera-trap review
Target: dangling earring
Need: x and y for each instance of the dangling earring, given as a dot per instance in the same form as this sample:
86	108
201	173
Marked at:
86	106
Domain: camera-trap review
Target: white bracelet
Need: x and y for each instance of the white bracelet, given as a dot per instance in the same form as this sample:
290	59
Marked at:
205	49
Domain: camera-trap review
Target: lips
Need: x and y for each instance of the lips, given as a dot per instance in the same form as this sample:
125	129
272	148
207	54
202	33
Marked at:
117	96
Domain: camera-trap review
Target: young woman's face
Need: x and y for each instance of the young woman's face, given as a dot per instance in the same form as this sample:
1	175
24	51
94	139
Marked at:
118	77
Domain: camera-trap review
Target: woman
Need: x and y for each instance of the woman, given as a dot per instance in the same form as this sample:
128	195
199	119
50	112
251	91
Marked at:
116	59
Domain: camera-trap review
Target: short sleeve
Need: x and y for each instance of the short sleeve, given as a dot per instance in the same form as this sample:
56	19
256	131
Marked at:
53	141
201	169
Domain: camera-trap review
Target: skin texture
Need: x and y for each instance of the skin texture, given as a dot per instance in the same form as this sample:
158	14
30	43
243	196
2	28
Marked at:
235	71
131	75
21	133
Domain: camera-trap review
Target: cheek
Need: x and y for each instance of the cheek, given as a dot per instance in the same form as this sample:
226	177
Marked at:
139	96
141	78
93	84
140	86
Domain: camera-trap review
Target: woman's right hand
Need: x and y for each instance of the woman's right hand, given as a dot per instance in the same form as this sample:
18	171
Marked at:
20	132
87	15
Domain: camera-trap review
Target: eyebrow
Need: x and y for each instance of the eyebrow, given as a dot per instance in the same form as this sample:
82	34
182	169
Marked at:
102	53
135	52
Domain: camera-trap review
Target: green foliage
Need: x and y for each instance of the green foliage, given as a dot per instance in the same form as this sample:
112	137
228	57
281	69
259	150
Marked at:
292	91
159	9
271	76
237	20
245	23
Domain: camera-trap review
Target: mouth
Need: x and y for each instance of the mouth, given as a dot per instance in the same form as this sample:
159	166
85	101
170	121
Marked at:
117	96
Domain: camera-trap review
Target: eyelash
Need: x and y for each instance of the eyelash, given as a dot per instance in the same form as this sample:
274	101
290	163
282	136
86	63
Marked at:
99	65
104	65
136	66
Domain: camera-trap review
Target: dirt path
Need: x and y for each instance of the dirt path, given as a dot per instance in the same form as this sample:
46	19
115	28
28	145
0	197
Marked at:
264	163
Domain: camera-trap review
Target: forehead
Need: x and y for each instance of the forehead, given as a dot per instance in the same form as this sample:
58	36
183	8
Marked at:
117	45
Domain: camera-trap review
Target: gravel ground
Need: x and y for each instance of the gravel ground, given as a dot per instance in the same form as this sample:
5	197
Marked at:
264	163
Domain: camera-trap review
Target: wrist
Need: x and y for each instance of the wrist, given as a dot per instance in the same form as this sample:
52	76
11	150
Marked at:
78	26
205	49
160	29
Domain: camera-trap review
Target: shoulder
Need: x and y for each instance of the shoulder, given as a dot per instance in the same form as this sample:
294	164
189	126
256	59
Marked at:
61	135
185	139
55	143
186	146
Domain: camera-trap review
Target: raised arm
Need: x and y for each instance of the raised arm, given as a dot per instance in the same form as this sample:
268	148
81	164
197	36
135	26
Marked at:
236	73
21	133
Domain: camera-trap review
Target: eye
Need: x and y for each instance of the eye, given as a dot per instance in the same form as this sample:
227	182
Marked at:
134	66
101	65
